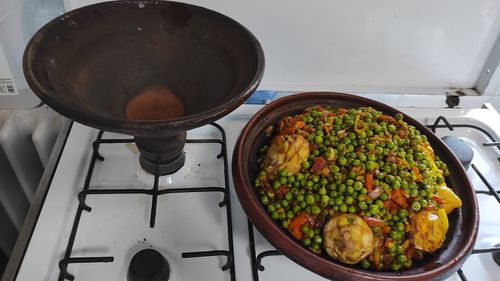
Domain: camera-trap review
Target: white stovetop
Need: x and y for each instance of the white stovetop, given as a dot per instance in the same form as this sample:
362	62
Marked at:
199	223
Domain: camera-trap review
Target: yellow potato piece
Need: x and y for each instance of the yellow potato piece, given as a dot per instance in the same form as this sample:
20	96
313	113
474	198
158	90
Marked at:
286	152
450	199
429	229
347	238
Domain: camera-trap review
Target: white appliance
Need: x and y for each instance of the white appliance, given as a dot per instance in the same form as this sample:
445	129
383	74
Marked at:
118	225
411	55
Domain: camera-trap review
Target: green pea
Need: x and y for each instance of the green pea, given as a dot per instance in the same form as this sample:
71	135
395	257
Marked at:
395	235
357	186
285	224
365	264
306	242
275	215
315	210
400	226
390	179
401	258
323	182
310	199
350	190
309	184
362	135
413	193
342	161
351	209
362	205
395	266
264	199
398	116
284	203
318	139
276	184
416	206
315	178
343	208
403	213
396	185
374	209
370	165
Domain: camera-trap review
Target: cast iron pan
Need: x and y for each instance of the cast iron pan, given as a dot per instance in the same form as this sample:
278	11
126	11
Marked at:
87	64
464	221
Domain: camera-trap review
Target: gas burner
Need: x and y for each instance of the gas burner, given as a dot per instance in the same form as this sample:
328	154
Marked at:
148	265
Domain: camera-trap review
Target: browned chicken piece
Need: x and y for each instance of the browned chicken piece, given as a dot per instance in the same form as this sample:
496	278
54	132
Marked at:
429	229
450	199
347	238
286	152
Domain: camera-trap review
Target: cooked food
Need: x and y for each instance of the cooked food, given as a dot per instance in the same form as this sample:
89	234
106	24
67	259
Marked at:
348	238
286	153
429	229
361	186
450	200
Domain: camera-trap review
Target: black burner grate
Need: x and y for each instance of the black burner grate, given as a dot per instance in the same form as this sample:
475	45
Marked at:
256	259
154	192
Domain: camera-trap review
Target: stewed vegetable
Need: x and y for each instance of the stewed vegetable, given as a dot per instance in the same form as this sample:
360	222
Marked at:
362	186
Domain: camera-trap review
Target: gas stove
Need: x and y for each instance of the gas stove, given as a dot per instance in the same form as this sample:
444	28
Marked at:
101	208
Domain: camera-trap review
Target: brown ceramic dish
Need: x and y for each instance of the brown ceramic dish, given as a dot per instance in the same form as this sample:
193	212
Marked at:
464	221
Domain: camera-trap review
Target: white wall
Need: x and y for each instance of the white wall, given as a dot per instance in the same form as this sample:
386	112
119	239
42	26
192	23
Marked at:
367	45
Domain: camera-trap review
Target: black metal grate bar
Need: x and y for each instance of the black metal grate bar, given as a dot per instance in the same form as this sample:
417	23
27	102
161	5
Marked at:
256	259
154	192
63	267
435	125
63	264
253	259
228	255
494	143
487	250
461	274
485	181
486	192
264	254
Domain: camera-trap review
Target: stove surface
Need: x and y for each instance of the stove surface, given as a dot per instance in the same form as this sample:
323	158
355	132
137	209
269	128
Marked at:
118	225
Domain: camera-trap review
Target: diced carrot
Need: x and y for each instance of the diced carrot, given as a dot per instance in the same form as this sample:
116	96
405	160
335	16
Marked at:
296	224
399	198
342	111
390	205
376	258
300	124
438	199
418	176
282	190
318	165
387	118
369	182
385	229
373	222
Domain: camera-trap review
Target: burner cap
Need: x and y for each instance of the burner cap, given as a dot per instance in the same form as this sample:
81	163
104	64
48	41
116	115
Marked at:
148	265
461	149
